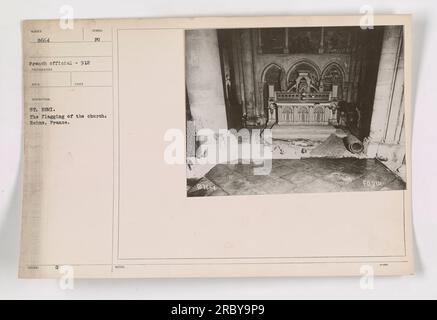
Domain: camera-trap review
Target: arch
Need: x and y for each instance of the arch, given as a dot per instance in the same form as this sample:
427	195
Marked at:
273	74
312	78
336	65
304	63
333	74
267	69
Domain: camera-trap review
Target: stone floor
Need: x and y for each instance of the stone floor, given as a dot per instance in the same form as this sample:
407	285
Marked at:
310	175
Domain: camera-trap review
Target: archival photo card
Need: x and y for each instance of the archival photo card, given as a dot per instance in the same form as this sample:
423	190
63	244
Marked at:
217	147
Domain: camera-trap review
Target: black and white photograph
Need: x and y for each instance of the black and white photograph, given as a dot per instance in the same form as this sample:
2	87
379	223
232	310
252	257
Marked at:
309	110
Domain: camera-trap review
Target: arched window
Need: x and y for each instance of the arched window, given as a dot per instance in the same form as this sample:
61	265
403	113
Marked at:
272	78
272	75
306	69
332	80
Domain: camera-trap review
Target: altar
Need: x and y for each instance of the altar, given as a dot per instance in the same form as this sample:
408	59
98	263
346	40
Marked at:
304	108
303	104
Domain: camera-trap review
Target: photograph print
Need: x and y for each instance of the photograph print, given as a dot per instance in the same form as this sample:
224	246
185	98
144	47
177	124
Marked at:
295	110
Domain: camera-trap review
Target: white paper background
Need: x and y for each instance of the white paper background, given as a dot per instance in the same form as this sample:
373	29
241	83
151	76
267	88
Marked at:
424	156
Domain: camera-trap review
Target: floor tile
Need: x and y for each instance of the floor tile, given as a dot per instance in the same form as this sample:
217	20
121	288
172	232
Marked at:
237	185
281	171
218	192
278	186
294	164
378	178
203	187
369	182
339	178
220	170
223	179
244	169
396	184
318	186
297	176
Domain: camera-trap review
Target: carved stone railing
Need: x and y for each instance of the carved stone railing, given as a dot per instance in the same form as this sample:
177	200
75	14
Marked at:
304	113
282	96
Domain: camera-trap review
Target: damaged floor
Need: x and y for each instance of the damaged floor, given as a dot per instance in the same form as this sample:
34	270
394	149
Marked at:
309	175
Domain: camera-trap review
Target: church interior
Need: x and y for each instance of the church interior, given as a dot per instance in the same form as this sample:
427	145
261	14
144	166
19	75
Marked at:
332	98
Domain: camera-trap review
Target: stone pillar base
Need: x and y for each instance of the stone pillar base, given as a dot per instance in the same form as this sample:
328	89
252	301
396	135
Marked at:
391	155
256	121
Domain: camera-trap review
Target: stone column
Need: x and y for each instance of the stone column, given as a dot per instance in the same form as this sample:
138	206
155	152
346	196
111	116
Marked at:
260	45
396	110
249	81
286	50
204	80
237	67
388	65
322	40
